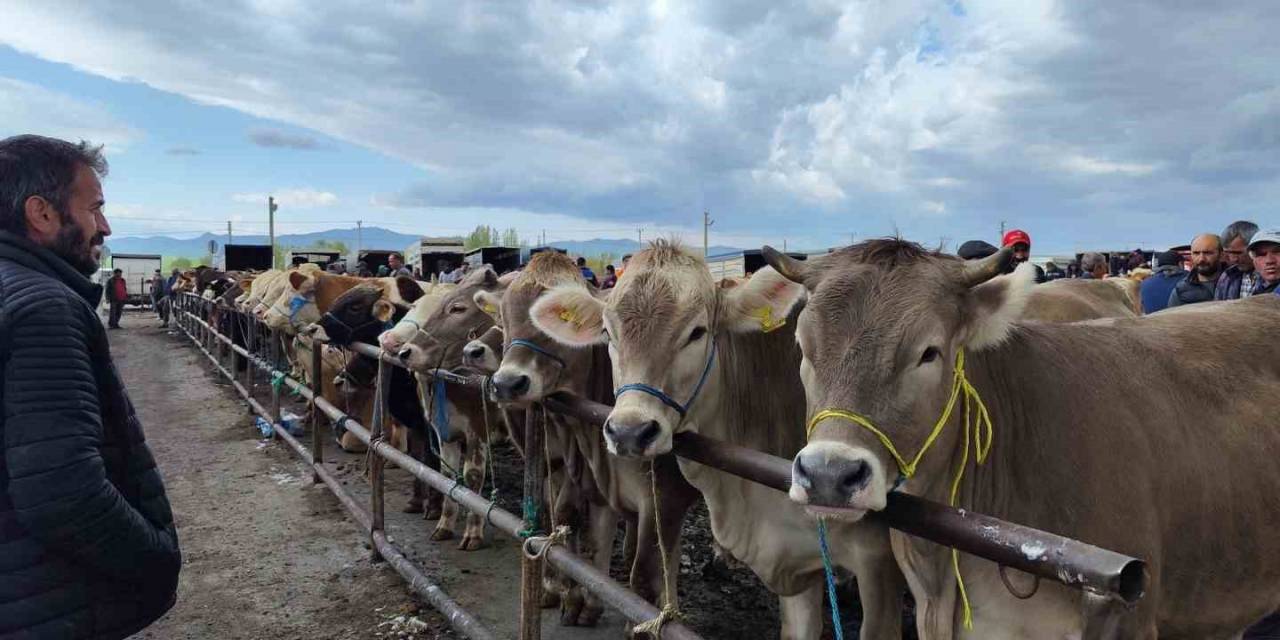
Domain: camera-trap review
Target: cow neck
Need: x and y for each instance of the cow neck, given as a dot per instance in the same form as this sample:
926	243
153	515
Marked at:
33	256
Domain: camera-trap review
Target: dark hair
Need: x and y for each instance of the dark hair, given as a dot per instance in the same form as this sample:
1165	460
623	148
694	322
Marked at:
396	256
609	268
582	261
33	165
1238	229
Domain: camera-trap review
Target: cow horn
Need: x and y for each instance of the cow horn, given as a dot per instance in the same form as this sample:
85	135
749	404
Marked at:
790	268
979	271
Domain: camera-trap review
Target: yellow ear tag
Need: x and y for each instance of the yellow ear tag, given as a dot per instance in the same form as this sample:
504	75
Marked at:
490	309
767	321
569	316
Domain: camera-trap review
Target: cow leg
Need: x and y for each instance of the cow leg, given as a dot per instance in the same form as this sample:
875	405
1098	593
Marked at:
473	476
451	453
629	540
434	499
880	587
927	569
603	529
802	614
417	450
1106	619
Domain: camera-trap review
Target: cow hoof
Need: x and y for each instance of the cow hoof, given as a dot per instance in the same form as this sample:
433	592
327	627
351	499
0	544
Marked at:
413	507
590	615
550	599
471	542
432	513
571	608
441	534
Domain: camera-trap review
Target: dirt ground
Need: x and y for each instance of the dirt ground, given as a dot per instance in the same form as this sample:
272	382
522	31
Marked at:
266	554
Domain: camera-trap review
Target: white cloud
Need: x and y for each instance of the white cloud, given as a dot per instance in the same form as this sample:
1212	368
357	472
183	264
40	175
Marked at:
30	108
630	112
297	198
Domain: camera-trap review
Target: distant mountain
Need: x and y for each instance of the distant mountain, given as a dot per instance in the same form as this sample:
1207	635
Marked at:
371	238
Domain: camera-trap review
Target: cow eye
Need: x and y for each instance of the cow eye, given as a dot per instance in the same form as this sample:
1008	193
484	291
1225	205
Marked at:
697	334
930	354
458	308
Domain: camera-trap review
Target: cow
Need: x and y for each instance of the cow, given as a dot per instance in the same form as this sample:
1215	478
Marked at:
359	315
430	336
721	360
1177	469
484	354
535	366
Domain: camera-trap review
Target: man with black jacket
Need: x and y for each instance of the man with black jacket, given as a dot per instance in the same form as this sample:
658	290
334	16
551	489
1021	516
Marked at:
88	547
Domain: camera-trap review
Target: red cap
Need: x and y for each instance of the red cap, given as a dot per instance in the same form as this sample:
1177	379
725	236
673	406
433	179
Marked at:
1014	236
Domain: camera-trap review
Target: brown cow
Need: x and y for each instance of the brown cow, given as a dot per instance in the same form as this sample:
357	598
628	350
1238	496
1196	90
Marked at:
1177	469
724	358
535	366
1070	300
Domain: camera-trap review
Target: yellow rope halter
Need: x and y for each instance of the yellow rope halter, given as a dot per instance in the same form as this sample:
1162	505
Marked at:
976	422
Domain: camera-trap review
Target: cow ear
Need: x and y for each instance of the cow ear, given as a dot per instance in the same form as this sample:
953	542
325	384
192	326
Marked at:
384	310
489	302
570	315
409	289
296	278
993	306
760	304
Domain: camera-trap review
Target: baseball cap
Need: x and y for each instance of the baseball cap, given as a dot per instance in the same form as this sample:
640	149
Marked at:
1165	258
1270	234
1014	236
975	249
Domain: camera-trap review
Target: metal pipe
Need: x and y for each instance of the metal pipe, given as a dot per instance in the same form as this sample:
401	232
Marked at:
1048	555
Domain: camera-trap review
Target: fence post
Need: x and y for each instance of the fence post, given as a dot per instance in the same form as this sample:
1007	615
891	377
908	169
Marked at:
377	464
535	467
317	386
243	321
275	386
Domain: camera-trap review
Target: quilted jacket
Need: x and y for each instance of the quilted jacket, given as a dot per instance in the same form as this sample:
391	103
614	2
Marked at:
87	543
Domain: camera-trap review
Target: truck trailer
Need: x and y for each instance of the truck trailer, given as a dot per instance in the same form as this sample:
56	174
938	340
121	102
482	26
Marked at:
137	270
244	257
433	256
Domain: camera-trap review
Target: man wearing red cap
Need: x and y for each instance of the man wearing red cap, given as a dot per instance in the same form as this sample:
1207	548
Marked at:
1021	243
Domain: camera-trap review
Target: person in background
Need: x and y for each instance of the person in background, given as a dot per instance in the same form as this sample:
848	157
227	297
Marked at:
117	294
159	298
976	250
626	259
88	549
587	273
396	265
1021	243
362	269
1073	269
1053	272
1264	248
1168	273
610	277
1206	262
1093	266
1238	278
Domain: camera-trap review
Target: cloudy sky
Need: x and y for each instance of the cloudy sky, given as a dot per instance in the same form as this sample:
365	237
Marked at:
1089	124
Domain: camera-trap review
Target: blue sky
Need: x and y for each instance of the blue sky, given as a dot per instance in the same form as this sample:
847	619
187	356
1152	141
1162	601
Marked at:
1092	125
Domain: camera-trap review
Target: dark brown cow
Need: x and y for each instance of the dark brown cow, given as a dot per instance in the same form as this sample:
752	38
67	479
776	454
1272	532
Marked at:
1177	468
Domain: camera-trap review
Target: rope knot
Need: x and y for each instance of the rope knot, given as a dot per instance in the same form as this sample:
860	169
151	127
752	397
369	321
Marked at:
653	628
557	537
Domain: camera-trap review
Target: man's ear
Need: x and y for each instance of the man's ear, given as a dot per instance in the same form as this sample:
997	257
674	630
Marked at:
570	315
489	302
993	306
759	304
42	219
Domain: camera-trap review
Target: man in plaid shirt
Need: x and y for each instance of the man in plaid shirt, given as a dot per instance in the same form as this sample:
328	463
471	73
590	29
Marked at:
1238	279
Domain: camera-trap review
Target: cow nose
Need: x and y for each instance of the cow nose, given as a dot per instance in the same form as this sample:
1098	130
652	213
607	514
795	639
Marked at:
830	481
508	387
475	353
631	439
389	343
404	354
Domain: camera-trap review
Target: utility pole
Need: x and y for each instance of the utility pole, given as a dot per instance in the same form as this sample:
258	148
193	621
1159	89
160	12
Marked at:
640	236
228	232
271	226
784	245
1002	230
706	224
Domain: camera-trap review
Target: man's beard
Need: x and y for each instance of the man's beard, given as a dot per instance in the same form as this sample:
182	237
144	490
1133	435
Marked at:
1207	270
71	246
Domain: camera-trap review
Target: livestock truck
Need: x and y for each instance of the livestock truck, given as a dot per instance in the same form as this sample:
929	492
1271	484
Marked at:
137	270
503	259
739	264
244	257
433	256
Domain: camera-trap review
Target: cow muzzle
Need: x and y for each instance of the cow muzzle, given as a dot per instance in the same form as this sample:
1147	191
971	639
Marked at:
511	386
837	480
635	437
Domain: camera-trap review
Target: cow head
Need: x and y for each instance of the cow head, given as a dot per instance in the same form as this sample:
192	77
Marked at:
295	307
881	334
484	354
363	312
661	323
535	365
431	335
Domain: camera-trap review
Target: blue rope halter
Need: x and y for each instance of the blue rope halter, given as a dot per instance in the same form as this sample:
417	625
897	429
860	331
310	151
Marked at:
661	395
520	342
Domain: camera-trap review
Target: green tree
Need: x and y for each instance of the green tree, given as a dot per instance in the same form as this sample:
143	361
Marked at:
598	263
281	258
510	238
180	262
331	245
483	236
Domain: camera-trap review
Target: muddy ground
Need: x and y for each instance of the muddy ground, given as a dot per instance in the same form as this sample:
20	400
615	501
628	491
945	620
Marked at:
267	554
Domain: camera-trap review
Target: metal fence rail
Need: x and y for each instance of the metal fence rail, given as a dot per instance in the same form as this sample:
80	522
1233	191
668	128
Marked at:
1070	562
